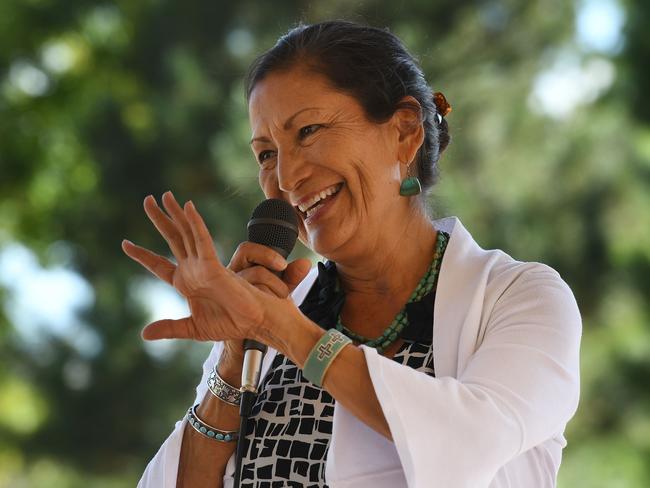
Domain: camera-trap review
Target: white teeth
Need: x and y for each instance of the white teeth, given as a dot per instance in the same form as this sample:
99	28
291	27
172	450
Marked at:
318	197
311	211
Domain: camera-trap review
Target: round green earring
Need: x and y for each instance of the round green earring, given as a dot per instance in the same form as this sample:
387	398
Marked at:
410	185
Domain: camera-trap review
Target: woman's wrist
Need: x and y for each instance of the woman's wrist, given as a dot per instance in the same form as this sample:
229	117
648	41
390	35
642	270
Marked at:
213	409
231	362
291	333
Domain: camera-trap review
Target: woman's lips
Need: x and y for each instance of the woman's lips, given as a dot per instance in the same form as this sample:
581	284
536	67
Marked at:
312	216
312	201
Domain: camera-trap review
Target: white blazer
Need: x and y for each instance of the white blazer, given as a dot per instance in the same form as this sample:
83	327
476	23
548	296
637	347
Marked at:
506	354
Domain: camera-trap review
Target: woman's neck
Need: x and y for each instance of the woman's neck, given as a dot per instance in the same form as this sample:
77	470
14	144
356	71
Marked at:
393	265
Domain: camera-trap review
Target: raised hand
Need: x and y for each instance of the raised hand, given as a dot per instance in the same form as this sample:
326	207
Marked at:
223	305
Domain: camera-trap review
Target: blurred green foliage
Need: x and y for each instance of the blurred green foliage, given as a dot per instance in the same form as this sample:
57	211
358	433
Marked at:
103	103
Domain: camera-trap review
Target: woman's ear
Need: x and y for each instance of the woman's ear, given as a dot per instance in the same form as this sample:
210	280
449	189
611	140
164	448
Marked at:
407	120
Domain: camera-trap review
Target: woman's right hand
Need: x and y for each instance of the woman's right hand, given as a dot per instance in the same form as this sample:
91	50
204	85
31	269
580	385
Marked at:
256	263
224	305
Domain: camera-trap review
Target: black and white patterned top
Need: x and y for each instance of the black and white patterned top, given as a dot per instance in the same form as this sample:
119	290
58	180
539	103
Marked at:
289	431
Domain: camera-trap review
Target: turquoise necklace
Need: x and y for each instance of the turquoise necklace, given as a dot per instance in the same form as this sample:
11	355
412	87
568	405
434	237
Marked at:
394	330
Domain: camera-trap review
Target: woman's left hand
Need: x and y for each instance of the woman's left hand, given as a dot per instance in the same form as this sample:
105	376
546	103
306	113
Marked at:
223	305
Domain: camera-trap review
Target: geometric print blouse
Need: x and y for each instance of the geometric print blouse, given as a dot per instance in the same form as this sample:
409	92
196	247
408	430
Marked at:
290	427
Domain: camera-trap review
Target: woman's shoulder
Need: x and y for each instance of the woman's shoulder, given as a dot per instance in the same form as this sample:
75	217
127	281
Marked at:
506	269
465	254
517	291
511	279
496	275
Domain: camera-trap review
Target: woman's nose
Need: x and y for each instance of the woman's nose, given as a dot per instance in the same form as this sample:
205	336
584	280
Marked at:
292	171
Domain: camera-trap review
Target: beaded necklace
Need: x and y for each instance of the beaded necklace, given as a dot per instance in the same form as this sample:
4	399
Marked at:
394	330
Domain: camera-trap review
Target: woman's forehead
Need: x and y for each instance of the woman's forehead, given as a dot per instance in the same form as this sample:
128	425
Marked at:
280	95
288	88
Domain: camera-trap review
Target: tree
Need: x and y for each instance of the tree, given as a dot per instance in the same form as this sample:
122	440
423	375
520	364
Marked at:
103	103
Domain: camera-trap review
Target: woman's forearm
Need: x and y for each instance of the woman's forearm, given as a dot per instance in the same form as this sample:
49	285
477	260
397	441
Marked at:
202	460
347	379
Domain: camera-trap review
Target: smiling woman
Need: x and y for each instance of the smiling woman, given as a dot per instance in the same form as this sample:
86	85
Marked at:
411	357
336	149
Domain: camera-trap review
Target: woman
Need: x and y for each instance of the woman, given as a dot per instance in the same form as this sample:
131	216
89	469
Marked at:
463	369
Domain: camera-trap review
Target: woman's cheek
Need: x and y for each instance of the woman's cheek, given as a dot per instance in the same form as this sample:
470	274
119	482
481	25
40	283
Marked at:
268	183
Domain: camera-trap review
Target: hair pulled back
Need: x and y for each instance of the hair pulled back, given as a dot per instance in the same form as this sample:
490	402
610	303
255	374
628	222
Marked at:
370	64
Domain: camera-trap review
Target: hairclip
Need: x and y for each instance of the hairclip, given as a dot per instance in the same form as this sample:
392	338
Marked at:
442	105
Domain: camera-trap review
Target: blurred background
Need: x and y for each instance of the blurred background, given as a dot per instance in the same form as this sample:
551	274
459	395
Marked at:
103	103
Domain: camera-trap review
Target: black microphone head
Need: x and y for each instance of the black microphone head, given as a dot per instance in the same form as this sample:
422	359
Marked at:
274	224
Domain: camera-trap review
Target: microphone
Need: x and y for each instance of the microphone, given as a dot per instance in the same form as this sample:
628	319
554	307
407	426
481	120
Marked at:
274	224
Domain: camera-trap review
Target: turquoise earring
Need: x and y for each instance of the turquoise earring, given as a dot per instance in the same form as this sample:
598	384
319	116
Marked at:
410	185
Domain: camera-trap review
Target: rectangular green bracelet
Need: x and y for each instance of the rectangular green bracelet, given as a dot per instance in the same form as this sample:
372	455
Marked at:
322	355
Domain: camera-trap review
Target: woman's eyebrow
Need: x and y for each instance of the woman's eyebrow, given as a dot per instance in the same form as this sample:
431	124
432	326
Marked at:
287	125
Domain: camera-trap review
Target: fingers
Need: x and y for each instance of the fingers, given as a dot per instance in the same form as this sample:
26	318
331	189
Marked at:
157	265
176	228
296	272
166	226
200	232
252	254
170	329
265	280
178	216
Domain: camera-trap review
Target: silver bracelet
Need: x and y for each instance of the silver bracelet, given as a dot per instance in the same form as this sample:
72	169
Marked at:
222	390
207	430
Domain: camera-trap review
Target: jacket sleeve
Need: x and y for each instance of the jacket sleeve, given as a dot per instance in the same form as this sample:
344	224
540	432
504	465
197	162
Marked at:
519	388
162	470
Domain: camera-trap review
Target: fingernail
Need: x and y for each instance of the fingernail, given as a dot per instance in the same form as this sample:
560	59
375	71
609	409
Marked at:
126	241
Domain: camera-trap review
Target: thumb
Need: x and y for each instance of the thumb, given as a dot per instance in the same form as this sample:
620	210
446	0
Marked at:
169	329
295	272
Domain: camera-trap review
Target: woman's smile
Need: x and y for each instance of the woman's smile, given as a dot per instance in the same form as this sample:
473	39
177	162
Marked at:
314	206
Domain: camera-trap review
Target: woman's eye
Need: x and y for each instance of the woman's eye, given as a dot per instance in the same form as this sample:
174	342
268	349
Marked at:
309	129
264	155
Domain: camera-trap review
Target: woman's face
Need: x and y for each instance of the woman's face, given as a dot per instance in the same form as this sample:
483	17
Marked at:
316	150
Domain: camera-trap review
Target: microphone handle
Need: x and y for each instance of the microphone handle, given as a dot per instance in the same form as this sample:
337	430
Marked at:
254	353
250	377
252	344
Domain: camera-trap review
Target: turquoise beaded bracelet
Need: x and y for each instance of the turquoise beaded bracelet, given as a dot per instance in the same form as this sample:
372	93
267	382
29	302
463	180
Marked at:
322	354
207	430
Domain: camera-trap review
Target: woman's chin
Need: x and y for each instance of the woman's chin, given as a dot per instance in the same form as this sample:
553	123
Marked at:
326	232
326	243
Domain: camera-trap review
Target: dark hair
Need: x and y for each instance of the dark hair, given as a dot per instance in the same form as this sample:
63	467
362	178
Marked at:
372	65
